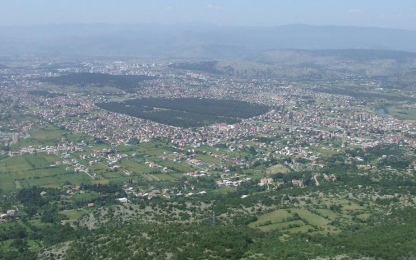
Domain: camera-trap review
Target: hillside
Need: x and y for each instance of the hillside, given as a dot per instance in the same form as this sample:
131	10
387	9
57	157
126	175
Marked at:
381	63
325	57
314	64
194	40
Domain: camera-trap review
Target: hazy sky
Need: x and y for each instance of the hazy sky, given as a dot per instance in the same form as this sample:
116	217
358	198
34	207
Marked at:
380	13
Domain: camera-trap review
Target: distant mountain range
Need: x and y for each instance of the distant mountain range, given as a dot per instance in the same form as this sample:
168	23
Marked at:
194	40
326	57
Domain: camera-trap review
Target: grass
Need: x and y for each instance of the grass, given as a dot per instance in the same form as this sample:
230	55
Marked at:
134	166
180	167
327	213
33	245
208	159
349	205
34	170
285	221
364	216
277	216
282	226
279	168
302	229
166	177
85	196
41	136
313	219
404	113
23	171
326	152
224	190
73	215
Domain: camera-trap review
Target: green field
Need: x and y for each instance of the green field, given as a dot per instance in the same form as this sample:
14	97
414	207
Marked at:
277	216
73	215
404	113
279	168
41	136
294	220
47	135
327	213
35	170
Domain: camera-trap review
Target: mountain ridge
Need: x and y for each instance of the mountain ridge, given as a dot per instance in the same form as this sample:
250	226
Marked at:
195	41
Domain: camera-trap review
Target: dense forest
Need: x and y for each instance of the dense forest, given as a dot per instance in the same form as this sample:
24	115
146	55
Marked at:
186	112
389	236
124	82
387	240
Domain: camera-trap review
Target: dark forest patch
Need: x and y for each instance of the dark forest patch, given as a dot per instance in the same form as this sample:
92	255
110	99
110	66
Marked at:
124	82
204	66
187	112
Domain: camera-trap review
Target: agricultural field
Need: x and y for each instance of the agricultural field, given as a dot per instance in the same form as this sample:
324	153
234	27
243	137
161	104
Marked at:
35	170
403	112
326	216
47	135
279	168
47	170
293	220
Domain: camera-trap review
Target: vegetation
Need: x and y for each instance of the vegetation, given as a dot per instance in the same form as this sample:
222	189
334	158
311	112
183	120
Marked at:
206	66
124	82
325	175
47	94
187	112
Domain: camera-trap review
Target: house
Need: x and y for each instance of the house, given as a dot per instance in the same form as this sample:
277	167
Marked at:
266	181
43	193
123	200
152	165
90	205
298	183
11	213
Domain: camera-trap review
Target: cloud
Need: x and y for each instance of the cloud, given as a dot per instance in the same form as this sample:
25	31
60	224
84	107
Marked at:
354	11
213	7
168	8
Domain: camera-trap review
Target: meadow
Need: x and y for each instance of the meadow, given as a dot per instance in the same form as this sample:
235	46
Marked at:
323	216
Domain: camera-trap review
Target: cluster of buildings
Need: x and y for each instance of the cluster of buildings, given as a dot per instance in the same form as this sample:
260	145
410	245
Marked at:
302	123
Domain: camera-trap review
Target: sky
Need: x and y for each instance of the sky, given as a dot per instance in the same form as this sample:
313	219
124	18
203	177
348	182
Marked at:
400	14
